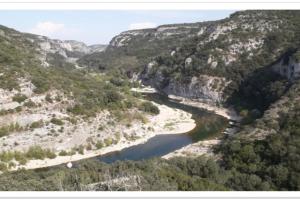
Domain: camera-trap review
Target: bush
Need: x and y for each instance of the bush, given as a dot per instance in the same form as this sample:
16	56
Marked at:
48	98
6	156
149	108
29	104
108	141
3	167
57	121
63	153
77	109
5	130
99	145
37	124
42	85
50	154
89	147
18	109
18	155
36	152
11	164
19	98
22	160
80	150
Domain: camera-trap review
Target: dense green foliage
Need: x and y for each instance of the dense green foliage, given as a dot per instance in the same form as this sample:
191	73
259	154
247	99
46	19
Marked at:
272	163
156	174
149	107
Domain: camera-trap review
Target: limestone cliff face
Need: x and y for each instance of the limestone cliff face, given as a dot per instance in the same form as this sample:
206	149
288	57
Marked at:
68	50
204	88
209	89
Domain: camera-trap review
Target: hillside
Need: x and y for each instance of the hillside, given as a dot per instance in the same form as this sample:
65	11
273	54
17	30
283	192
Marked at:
50	108
52	90
207	60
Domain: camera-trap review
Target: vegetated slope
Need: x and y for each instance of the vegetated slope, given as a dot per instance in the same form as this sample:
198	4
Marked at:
50	109
239	52
251	160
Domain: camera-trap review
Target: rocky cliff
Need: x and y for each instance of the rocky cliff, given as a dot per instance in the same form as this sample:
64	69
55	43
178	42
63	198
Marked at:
49	50
189	59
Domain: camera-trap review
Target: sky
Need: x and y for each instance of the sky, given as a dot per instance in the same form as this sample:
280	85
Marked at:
98	27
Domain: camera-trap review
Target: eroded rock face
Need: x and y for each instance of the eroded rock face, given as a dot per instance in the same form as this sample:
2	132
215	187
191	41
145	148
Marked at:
204	88
68	50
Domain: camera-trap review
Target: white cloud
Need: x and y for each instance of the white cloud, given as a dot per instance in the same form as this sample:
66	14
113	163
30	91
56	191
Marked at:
56	30
142	25
47	28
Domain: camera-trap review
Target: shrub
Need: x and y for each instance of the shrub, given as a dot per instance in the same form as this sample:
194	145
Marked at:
89	147
99	145
149	107
57	121
3	167
63	153
76	110
18	155
36	152
50	154
6	156
5	130
108	141
72	152
18	109
48	98
19	98
29	104
37	124
11	164
22	160
42	85
80	149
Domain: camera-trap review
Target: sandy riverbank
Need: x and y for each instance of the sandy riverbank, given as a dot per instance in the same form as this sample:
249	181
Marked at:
194	150
169	121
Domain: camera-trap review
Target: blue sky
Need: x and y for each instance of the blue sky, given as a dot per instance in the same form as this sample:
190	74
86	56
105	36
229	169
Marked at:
98	27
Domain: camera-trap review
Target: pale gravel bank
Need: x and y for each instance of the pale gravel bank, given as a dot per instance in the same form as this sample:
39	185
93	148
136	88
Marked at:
178	122
194	150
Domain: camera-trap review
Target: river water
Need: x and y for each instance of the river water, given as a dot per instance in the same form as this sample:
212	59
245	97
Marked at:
208	126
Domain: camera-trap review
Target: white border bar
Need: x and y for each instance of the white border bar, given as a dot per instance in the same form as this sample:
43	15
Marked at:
152	195
148	5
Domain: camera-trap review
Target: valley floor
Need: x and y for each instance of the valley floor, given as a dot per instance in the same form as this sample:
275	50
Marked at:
175	121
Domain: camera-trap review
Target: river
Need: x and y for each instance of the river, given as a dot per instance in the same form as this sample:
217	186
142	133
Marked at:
208	126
